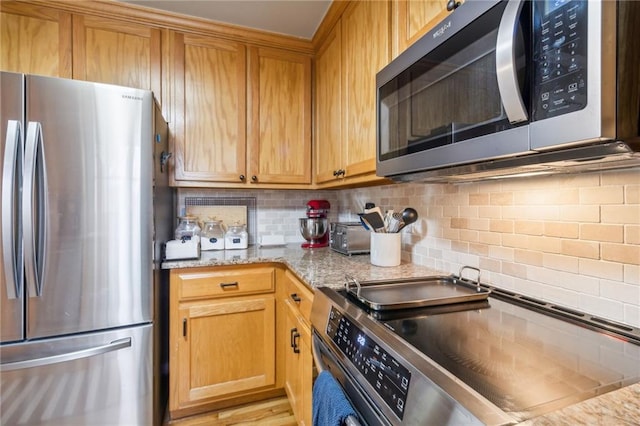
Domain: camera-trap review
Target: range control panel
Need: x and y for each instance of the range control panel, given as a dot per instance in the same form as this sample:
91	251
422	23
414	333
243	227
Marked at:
388	377
560	57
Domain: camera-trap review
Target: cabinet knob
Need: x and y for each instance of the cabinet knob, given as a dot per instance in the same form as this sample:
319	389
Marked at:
452	4
254	178
295	297
242	177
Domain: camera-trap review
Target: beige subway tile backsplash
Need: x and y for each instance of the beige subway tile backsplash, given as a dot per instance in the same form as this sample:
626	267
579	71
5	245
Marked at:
632	234
623	253
588	249
625	214
601	232
601	269
632	194
572	239
560	262
602	195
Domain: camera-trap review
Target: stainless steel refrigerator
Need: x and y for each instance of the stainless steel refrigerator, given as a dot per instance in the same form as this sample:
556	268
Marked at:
85	206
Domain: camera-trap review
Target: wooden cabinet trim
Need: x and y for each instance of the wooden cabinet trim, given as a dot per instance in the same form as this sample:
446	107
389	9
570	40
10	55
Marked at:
227	307
173	21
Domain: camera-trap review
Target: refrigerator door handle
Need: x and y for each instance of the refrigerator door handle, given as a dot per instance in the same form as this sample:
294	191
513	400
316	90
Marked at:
34	209
11	240
116	345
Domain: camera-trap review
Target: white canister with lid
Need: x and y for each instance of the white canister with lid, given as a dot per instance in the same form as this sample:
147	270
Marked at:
236	237
212	237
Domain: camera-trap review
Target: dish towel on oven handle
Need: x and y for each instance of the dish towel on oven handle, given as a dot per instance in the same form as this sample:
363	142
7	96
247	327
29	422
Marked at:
330	405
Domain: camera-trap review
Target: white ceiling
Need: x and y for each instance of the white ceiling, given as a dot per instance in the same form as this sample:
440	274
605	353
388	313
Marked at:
298	18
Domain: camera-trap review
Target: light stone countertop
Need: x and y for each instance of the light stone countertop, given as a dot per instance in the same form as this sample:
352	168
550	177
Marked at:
324	267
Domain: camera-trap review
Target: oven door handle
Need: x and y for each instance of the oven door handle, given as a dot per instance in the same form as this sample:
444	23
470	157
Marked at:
506	63
349	421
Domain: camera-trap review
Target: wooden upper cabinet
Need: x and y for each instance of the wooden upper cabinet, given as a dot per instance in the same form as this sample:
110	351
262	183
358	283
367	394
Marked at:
209	85
35	40
242	115
328	112
279	114
116	52
413	18
345	82
366	49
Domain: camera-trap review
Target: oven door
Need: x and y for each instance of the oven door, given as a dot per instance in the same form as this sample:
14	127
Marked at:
459	94
368	413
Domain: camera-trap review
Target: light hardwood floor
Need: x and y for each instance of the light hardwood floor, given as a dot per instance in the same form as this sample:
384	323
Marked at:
272	412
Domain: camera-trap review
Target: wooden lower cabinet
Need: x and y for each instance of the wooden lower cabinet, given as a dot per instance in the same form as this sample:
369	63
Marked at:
298	380
222	342
239	334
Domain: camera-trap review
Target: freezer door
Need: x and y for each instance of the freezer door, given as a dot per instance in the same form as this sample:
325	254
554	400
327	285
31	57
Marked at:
87	206
96	379
11	157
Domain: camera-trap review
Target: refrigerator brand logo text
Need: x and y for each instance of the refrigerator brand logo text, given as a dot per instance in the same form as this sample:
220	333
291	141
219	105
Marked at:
135	98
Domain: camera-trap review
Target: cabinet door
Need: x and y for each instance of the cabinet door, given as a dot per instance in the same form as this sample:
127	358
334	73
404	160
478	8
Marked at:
209	93
227	347
328	113
279	116
116	52
299	366
366	49
35	40
413	18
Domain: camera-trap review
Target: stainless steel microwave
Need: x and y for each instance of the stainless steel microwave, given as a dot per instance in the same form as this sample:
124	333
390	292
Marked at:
510	87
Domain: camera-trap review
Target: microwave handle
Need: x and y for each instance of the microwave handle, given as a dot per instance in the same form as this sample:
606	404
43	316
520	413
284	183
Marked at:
506	63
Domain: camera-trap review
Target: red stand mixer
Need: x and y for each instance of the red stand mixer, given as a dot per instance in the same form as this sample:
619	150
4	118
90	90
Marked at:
314	228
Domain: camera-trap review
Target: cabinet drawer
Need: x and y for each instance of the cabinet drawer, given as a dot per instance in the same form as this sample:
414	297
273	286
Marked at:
224	282
298	294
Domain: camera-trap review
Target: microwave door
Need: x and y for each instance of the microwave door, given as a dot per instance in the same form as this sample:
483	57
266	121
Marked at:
506	63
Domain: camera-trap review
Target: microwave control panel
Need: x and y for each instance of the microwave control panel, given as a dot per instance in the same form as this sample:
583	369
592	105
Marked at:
387	376
560	57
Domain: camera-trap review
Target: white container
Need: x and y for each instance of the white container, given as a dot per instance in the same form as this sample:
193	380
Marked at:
212	236
385	248
236	237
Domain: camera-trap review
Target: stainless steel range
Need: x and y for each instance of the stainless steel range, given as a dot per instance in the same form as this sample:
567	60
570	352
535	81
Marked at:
446	351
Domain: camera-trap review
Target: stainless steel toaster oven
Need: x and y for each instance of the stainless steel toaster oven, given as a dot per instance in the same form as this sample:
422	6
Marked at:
349	238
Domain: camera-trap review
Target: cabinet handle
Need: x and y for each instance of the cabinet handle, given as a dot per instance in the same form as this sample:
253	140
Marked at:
184	327
295	297
242	177
294	337
293	330
225	286
452	4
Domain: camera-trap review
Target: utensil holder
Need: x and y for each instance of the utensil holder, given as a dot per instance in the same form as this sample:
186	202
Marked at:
385	248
